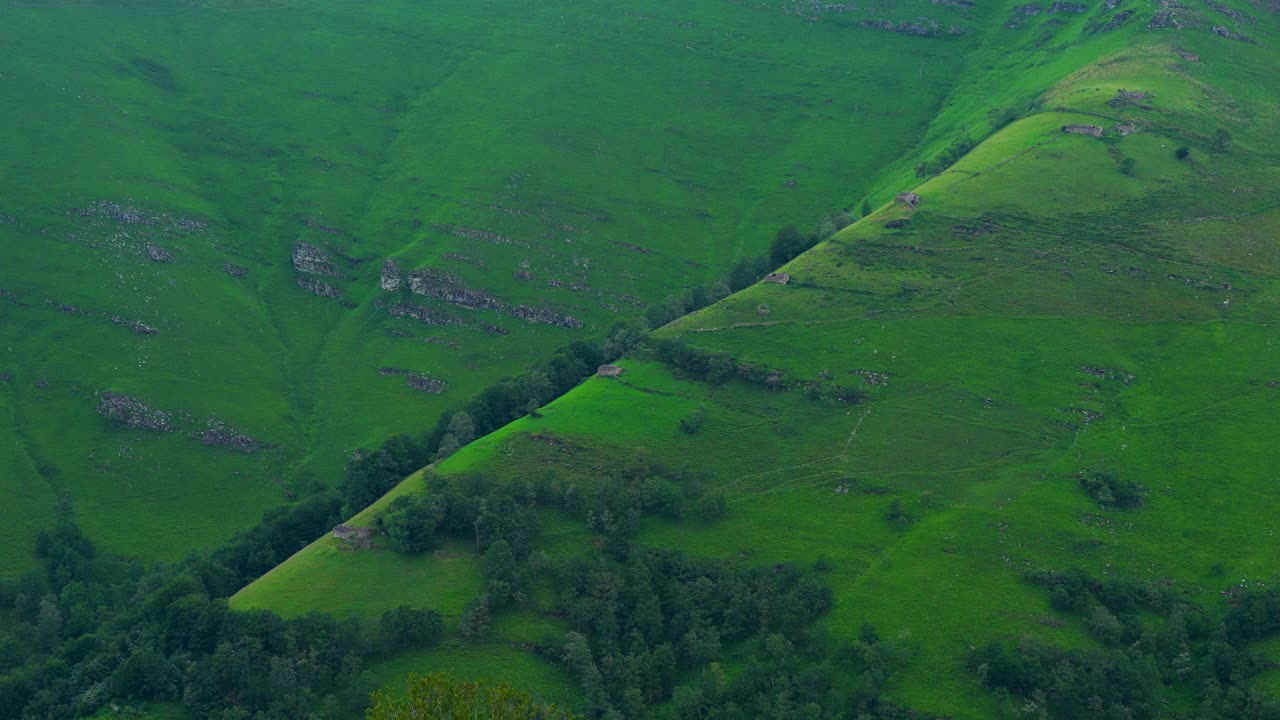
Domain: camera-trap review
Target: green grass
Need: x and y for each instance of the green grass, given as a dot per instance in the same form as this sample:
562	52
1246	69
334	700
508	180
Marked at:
1032	262
623	156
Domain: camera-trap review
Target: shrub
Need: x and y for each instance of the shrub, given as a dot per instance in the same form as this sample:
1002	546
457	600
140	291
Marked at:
1182	152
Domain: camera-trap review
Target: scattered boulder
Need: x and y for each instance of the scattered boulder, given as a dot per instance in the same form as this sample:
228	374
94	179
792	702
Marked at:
234	270
609	371
909	199
392	278
133	413
777	278
422	383
219	434
1091	130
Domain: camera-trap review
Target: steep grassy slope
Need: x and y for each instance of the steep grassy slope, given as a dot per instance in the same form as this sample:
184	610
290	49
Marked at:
578	160
1057	305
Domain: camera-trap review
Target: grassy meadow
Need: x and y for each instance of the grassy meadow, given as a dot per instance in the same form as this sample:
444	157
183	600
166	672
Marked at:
1058	304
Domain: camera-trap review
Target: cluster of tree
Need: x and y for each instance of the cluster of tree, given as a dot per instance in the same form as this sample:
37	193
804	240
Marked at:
464	506
643	624
718	368
1157	646
945	159
91	628
1108	490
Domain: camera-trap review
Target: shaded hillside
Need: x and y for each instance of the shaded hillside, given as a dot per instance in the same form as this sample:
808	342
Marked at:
1062	358
200	203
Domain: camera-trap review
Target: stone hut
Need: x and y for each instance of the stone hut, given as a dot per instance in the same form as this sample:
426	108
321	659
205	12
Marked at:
778	278
908	198
1123	129
610	371
1091	130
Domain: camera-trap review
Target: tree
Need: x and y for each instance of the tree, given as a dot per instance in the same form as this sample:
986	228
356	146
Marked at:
1182	152
462	428
787	244
866	207
405	627
442	696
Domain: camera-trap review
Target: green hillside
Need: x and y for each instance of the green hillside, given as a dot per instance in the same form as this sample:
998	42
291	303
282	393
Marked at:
1063	358
551	168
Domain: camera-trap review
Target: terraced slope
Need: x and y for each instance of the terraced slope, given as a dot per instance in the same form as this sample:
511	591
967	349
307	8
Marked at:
198	202
920	403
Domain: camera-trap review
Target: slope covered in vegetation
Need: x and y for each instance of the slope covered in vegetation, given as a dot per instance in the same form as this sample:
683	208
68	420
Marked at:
1034	410
199	202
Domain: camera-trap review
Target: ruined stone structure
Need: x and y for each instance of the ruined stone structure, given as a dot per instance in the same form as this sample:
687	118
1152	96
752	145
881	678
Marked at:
1091	130
778	278
609	371
909	199
1123	129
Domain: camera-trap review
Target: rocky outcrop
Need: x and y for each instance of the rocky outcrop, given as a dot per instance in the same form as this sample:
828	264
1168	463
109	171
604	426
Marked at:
139	328
923	27
1228	33
777	278
158	254
545	316
909	199
423	314
1029	9
417	381
445	288
467	233
308	258
322	289
234	270
218	433
133	413
1115	22
392	278
1068	7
